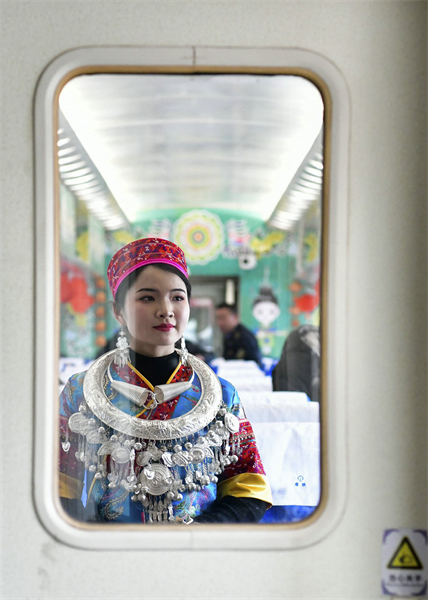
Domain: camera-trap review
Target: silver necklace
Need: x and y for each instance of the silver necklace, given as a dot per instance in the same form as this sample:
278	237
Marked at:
156	461
195	420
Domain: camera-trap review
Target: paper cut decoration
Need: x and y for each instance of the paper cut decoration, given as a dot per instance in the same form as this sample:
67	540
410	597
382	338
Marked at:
265	245
200	235
74	291
160	228
238	238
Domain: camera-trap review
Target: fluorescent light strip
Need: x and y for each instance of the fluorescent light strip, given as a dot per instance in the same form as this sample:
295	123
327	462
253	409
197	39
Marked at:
91	185
66	151
302	194
309	185
78	172
78	180
72	166
69	159
312	178
79	176
100	203
89	195
313	171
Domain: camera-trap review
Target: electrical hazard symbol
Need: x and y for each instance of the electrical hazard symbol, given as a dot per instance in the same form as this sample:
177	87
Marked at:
404	561
405	557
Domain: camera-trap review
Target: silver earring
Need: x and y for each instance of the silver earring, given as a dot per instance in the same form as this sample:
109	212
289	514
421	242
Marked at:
184	353
121	356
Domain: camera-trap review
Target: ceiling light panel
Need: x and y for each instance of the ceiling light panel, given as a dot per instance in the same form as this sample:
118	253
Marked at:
80	175
183	140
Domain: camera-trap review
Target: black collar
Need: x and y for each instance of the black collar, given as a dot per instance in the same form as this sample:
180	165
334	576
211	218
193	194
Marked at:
156	369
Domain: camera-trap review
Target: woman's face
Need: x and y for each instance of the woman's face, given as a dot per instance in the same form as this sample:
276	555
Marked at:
155	312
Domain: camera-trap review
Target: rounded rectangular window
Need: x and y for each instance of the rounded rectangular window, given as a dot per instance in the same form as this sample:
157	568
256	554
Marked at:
190	297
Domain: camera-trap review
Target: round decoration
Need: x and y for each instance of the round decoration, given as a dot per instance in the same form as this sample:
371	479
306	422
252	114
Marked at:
156	478
78	423
200	235
231	422
121	455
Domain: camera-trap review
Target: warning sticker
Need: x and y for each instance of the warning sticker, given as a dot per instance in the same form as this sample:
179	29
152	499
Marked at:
405	557
404	562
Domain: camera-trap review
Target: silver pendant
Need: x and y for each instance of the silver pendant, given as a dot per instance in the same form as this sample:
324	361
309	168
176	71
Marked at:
78	423
146	398
136	394
231	422
156	478
121	455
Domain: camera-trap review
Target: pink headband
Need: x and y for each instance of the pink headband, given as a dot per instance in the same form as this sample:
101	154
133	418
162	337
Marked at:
143	252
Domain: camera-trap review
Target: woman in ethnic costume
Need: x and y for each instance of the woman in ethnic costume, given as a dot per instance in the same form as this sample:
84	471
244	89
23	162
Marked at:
149	433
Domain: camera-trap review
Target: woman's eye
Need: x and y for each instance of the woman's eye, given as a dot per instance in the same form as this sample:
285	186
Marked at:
146	298
179	298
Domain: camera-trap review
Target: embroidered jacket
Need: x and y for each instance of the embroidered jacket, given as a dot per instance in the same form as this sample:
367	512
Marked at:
93	499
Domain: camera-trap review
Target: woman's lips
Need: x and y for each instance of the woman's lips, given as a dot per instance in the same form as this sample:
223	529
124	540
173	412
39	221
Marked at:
164	327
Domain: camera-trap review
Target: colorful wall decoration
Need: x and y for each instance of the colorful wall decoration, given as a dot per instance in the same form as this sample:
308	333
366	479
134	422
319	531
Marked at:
68	222
265	302
266	311
82	287
77	312
305	287
238	238
200	234
161	228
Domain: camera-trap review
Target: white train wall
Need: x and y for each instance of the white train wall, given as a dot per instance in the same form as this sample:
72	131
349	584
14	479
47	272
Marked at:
379	48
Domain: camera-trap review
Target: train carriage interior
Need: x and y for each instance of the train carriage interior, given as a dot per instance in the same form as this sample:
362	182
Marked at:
229	167
282	144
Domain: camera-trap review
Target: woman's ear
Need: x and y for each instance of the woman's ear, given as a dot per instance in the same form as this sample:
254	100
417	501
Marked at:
117	310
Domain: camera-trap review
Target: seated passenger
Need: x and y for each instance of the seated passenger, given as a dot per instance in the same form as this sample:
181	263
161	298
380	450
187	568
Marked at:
298	369
239	342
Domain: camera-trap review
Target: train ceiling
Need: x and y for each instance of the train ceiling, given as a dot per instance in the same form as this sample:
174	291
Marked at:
131	143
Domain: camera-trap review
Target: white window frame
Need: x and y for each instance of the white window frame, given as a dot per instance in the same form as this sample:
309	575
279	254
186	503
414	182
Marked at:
334	304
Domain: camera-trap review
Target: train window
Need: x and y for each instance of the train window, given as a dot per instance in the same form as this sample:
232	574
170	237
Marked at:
232	167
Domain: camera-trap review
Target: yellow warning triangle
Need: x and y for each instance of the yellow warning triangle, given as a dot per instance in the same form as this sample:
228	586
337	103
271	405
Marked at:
405	557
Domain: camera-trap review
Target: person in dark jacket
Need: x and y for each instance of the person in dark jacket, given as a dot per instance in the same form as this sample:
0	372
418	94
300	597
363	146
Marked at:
298	369
239	342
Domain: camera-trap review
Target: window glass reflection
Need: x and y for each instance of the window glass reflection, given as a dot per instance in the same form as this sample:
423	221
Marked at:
230	168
